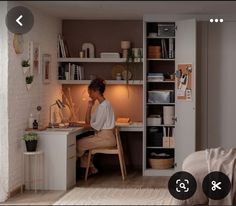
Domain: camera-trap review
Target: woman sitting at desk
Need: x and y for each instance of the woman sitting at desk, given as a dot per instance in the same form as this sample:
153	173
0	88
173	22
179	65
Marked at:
102	121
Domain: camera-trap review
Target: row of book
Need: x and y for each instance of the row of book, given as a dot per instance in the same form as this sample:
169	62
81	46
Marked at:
62	48
70	72
167	52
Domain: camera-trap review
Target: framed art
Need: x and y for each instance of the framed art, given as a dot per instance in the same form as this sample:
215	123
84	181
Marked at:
46	68
35	58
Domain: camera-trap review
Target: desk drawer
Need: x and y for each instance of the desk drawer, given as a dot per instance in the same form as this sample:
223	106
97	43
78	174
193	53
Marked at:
71	151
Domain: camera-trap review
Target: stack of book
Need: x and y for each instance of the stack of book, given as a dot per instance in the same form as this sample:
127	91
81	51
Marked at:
62	48
70	72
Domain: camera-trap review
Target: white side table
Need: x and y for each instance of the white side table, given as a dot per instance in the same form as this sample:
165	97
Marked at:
38	169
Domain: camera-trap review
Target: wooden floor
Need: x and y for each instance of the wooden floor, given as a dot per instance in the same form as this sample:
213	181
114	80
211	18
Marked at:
111	179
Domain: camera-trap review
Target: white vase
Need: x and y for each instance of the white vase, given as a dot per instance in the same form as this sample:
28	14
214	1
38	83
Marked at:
28	86
25	69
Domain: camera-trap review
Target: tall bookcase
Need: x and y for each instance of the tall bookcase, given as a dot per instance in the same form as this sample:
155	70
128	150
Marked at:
167	46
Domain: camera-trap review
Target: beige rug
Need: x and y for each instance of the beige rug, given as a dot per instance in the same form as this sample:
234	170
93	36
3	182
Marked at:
116	196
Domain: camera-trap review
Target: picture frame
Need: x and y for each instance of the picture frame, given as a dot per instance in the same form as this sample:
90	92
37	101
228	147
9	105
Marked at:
46	65
35	58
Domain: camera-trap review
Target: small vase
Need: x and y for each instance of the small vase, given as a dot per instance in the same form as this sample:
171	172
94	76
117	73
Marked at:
28	86
25	69
31	146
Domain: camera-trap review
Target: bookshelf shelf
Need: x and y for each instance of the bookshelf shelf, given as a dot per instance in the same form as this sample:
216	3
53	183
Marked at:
109	82
152	59
90	60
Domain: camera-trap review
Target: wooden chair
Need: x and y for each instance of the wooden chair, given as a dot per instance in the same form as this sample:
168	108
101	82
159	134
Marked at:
118	149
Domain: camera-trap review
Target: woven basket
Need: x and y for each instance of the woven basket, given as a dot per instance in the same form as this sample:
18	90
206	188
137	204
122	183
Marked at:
161	163
154	52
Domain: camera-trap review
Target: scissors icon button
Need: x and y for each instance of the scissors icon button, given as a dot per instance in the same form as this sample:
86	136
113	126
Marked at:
215	185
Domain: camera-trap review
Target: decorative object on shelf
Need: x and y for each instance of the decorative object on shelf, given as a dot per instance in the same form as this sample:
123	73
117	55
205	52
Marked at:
31	140
60	105
29	80
35	124
35	58
125	45
81	54
117	68
89	50
46	68
118	76
30	121
25	66
152	35
18	43
39	108
169	115
110	55
126	75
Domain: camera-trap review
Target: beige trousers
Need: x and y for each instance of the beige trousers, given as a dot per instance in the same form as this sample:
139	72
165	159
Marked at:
103	138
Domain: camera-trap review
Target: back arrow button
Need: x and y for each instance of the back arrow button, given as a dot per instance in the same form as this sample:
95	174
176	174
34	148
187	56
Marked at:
18	20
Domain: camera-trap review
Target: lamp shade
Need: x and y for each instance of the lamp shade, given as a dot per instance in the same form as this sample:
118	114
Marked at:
125	44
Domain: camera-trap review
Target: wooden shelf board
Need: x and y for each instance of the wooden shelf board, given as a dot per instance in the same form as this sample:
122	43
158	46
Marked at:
110	82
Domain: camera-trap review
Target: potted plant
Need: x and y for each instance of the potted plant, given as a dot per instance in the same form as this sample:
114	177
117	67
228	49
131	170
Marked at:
127	74
31	140
25	66
29	80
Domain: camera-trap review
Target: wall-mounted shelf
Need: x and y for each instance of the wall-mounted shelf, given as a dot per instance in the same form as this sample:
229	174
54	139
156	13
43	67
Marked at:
97	60
165	81
152	59
110	82
161	125
160	103
161	37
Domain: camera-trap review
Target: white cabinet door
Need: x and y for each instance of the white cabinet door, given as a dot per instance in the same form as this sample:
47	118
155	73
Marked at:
185	111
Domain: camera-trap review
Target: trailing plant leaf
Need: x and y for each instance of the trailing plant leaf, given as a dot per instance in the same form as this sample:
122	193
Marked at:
25	63
29	79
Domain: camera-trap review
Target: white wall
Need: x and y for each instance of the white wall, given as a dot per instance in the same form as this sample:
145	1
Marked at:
23	102
222	85
4	146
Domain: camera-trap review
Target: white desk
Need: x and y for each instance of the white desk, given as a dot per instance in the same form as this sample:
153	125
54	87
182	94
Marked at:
59	147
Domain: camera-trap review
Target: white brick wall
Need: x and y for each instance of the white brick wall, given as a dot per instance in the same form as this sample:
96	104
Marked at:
22	102
4	149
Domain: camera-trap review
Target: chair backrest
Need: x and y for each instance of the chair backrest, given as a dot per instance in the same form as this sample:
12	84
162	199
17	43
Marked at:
118	140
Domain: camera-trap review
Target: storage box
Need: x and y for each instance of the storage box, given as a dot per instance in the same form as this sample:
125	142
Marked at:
166	142
154	137
160	96
154	120
154	52
161	163
166	29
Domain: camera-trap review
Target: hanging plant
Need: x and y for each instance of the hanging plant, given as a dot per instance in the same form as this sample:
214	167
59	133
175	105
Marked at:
25	66
29	80
127	74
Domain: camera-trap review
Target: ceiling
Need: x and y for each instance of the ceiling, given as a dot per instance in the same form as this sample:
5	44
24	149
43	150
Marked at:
131	9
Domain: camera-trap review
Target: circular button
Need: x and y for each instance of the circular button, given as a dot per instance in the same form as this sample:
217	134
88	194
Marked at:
19	20
182	185
216	185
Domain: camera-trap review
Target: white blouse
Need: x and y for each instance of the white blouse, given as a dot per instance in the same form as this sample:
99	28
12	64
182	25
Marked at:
104	117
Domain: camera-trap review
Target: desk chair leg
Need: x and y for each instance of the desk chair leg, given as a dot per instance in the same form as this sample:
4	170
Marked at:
87	168
121	166
123	159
